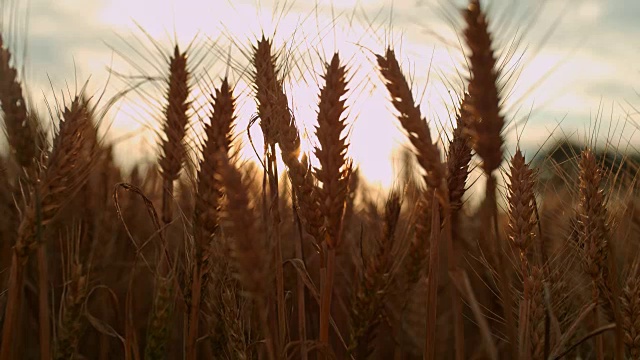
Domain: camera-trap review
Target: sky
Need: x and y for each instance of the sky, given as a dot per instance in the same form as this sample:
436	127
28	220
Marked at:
572	62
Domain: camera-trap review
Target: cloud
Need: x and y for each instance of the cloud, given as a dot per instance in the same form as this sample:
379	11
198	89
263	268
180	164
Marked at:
594	37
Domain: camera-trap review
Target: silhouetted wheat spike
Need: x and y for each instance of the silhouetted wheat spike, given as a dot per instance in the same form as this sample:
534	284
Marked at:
159	327
219	133
593	232
273	110
334	168
410	117
70	327
521	202
176	120
593	227
272	103
537	313
172	156
66	170
485	131
483	105
367	309
419	248
458	160
428	156
631	313
247	250
21	133
64	173
8	213
333	173
302	178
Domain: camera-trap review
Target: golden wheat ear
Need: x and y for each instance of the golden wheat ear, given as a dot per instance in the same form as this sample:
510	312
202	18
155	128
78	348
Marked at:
334	168
435	177
484	105
172	157
65	172
176	112
333	173
247	251
273	112
209	190
278	125
593	234
521	202
374	284
76	279
219	135
21	132
630	301
411	119
458	160
485	131
273	107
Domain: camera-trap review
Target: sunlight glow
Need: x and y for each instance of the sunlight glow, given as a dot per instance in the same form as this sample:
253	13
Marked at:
123	35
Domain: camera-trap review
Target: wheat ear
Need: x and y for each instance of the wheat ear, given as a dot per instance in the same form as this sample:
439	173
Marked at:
458	160
486	121
272	110
593	233
334	174
630	301
70	326
485	132
410	117
173	151
428	157
366	310
521	202
246	249
20	129
219	133
65	172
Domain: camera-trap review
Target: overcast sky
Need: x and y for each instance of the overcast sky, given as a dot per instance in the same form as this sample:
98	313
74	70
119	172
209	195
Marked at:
574	58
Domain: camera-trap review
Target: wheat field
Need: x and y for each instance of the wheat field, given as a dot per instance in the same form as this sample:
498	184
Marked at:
204	255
